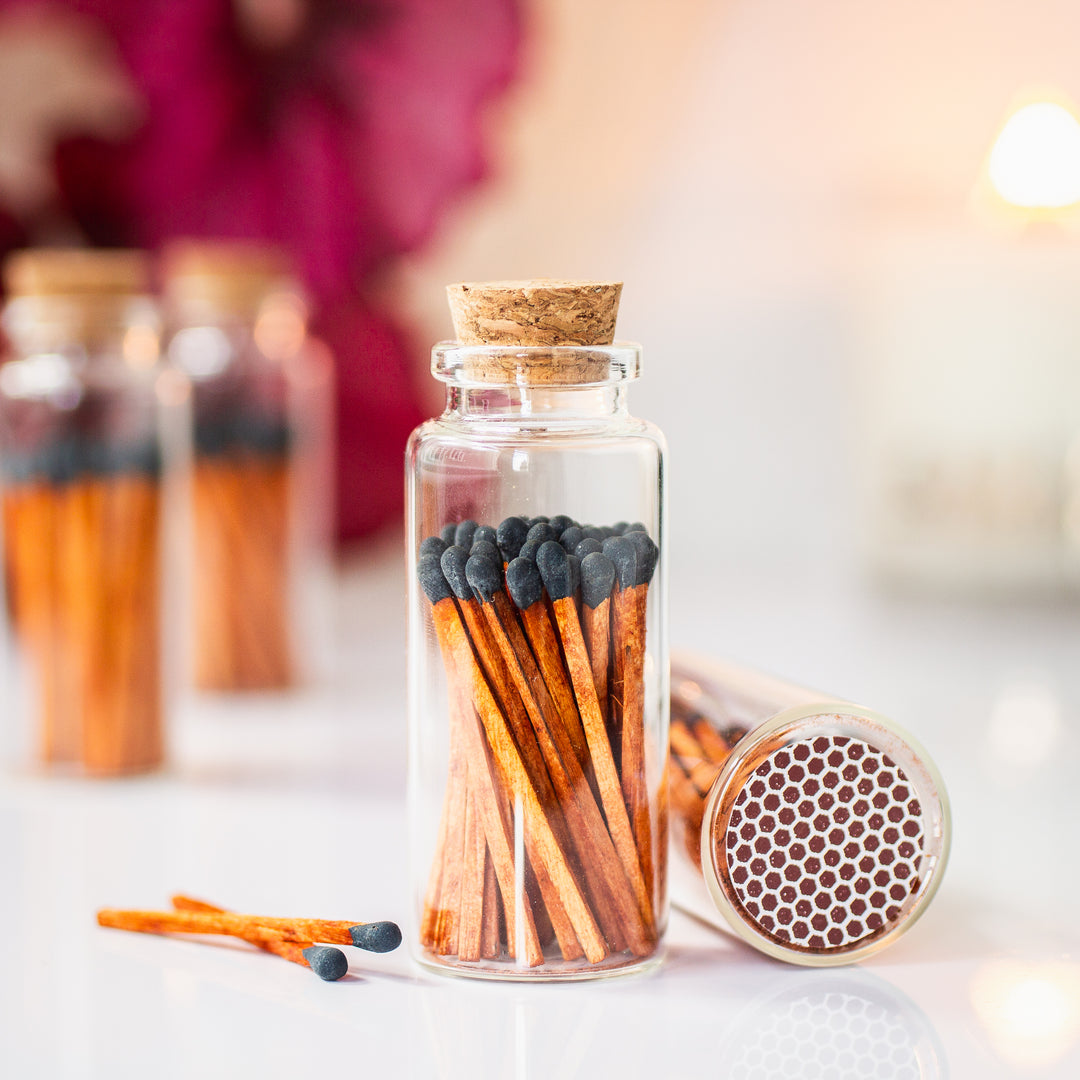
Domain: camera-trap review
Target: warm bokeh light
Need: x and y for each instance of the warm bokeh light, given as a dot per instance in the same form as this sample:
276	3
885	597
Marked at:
1035	162
1031	1012
281	326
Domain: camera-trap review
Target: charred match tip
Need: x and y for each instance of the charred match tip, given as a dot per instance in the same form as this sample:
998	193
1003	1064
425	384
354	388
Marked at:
529	549
588	546
511	535
484	534
624	555
376	936
487	550
524	582
597	579
561	522
647	555
485	576
554	570
463	534
432	579
433	545
452	564
327	962
543	532
446	533
571	537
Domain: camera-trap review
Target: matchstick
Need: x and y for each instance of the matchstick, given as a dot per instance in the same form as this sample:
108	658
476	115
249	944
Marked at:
597	580
554	566
510	535
328	963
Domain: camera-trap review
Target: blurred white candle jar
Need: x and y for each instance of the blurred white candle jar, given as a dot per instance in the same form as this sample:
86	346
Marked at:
969	382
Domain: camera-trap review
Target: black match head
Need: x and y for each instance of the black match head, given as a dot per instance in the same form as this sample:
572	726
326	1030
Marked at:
485	576
487	549
571	537
327	962
636	526
447	533
561	522
594	532
433	545
536	520
587	547
376	936
453	563
647	555
624	555
619	528
511	535
597	579
554	570
432	579
529	549
543	532
463	534
484	534
524	582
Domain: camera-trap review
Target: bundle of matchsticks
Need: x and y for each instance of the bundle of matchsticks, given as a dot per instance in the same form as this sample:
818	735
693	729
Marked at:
81	530
698	748
291	939
541	625
242	489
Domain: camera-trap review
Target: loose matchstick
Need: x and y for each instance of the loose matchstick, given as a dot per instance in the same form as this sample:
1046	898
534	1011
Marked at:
326	961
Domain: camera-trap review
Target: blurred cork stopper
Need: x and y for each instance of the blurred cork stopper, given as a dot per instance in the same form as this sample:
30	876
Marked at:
234	274
535	314
76	272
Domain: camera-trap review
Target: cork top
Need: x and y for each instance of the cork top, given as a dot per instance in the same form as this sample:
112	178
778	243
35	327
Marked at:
234	274
76	272
539	315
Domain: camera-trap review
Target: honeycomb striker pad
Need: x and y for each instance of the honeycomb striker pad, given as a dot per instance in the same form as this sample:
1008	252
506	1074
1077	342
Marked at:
825	834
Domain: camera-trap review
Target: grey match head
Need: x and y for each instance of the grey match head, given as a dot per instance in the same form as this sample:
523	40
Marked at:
588	546
551	561
647	555
597	579
432	579
327	962
529	549
571	537
619	528
594	532
561	522
524	582
453	563
463	534
433	545
511	535
446	533
485	576
487	550
484	534
624	555
543	532
376	936
536	520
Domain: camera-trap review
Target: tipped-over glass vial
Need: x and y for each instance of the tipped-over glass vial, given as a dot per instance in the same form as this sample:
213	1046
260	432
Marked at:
815	829
537	653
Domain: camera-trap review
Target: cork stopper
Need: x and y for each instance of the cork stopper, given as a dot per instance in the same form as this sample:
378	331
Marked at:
76	272
536	315
234	274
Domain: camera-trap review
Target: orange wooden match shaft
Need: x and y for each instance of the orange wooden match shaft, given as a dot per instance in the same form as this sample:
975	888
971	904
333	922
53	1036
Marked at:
549	854
596	629
250	927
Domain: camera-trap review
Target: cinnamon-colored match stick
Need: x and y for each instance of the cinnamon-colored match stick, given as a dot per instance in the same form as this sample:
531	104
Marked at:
597	579
327	962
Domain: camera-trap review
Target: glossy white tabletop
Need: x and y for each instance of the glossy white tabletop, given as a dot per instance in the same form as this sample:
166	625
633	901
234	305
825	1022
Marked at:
296	807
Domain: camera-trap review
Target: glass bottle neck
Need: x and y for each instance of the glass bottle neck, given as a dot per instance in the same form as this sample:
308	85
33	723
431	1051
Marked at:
540	404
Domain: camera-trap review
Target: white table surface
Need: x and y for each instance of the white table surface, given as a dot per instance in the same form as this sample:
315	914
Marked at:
296	807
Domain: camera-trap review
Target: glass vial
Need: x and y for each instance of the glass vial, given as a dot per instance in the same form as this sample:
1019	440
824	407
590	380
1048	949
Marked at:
261	469
81	456
538	672
815	829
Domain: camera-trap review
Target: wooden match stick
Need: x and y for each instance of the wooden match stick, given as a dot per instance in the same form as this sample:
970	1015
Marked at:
554	568
597	580
326	961
373	937
538	828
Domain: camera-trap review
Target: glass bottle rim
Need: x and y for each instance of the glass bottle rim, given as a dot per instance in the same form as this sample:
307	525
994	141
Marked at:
536	366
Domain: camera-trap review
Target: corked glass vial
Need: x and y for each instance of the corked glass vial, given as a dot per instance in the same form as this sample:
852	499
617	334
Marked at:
260	494
815	829
86	423
538	668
